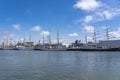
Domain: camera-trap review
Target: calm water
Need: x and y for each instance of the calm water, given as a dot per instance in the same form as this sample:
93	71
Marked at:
38	65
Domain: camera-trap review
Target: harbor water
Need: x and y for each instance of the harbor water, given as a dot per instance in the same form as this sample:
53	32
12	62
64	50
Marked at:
59	65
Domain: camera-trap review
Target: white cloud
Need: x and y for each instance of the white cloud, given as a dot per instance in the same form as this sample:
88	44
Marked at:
36	28
73	35
97	10
89	28
45	33
88	19
115	34
108	14
101	16
16	26
87	5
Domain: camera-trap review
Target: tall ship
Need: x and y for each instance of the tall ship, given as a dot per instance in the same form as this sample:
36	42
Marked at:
50	46
105	45
8	44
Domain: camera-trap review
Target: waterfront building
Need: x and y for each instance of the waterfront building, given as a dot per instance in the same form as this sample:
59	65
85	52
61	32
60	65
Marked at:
109	44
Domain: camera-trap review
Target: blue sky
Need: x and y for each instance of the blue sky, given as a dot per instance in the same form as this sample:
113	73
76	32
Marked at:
19	18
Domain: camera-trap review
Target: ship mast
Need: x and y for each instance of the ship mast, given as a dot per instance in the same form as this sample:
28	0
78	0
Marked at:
95	36
58	37
24	39
49	37
107	33
29	38
10	42
85	36
43	38
7	41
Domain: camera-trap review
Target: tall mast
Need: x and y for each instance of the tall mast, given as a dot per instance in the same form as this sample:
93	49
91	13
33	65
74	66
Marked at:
95	35
10	40
85	36
49	38
43	38
107	33
24	39
7	41
29	38
58	37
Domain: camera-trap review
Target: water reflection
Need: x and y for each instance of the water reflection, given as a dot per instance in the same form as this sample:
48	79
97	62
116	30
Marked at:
43	65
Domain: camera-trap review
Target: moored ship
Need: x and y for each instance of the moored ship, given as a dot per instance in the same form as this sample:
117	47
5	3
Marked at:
111	45
52	47
105	45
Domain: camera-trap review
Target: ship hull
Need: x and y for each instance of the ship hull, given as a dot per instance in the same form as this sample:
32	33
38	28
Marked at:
96	49
56	49
9	48
26	49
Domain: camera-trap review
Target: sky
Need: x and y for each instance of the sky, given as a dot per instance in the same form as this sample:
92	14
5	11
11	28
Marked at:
72	18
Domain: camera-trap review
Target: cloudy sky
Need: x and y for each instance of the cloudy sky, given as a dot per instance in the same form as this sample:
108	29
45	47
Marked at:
19	18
